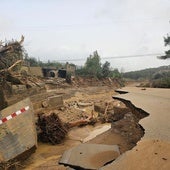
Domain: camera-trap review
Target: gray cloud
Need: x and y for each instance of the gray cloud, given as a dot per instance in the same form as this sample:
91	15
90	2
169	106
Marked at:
71	29
5	23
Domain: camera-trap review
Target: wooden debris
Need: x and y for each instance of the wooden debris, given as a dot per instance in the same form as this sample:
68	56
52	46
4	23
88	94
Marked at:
10	53
11	61
89	120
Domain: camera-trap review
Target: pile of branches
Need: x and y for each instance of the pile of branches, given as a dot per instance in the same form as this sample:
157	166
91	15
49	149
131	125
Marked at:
10	53
50	128
11	60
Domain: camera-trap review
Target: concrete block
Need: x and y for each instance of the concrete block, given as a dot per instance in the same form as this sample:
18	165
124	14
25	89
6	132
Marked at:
18	89
55	101
90	156
17	133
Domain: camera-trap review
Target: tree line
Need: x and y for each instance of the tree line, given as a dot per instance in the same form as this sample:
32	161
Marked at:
92	67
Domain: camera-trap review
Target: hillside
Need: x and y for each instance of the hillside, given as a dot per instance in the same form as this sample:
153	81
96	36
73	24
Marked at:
158	77
146	73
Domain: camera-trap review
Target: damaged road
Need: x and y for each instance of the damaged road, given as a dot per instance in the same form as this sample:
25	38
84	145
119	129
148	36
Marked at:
153	150
124	123
90	156
122	127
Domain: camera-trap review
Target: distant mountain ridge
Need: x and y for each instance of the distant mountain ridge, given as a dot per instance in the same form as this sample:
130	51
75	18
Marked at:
149	73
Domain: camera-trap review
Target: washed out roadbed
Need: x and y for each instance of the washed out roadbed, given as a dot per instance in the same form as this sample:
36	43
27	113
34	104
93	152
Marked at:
79	102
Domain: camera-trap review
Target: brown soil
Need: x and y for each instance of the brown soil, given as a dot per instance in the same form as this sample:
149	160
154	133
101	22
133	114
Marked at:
79	102
47	156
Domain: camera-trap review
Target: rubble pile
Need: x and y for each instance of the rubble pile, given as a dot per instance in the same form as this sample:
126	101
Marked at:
10	53
51	129
11	58
11	62
53	83
15	82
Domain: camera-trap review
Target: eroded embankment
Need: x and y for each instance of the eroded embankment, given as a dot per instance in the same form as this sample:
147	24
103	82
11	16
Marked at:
125	132
129	126
138	112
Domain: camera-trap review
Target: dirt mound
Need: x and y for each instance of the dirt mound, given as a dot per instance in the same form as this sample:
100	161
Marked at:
91	81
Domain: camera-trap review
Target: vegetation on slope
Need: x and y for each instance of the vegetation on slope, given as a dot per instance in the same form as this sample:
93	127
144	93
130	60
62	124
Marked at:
158	77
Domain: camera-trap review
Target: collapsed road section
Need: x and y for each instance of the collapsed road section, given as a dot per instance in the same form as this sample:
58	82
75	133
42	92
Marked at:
89	156
124	119
153	150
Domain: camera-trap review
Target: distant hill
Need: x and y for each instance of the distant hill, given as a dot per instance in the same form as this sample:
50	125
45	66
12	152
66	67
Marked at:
150	73
158	77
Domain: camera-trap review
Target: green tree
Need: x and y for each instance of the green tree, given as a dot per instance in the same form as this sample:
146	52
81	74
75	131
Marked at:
167	43
52	64
32	61
106	69
115	73
93	65
167	40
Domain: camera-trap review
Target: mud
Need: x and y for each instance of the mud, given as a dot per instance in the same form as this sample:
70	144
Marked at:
124	132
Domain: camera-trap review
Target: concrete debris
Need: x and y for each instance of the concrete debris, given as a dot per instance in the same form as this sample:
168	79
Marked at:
17	132
18	81
110	111
97	132
81	104
90	156
84	121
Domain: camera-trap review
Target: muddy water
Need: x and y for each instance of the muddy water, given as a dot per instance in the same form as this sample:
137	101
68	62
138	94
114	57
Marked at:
47	155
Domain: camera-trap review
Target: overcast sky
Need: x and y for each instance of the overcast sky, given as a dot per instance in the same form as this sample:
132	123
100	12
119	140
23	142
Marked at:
72	29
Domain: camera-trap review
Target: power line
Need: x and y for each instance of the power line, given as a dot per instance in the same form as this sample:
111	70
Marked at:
118	57
132	56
